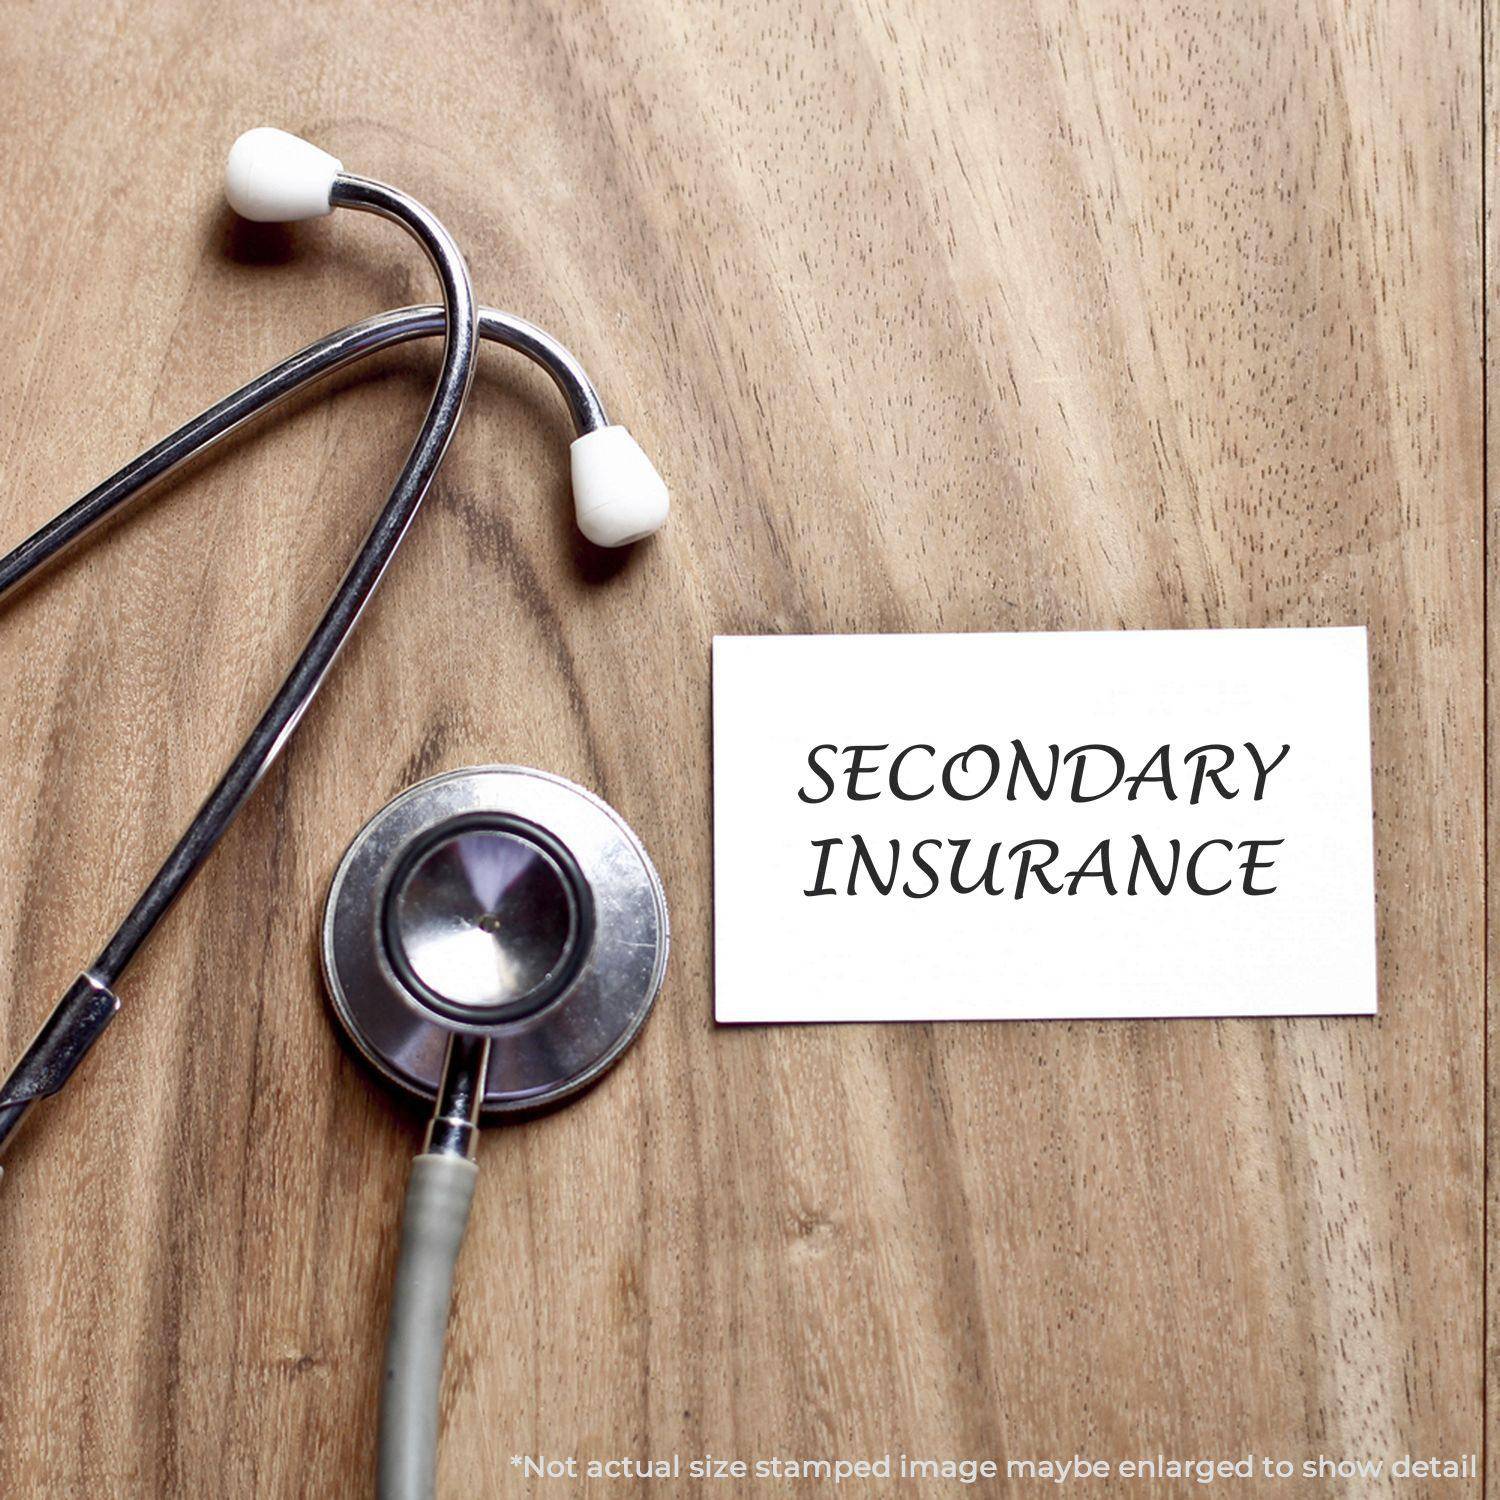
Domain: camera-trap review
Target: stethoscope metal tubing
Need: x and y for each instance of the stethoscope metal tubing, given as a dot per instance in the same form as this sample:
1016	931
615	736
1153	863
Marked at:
326	357
281	718
26	1082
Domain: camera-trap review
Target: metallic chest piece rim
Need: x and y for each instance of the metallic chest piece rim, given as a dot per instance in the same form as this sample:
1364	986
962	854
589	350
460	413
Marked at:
563	1030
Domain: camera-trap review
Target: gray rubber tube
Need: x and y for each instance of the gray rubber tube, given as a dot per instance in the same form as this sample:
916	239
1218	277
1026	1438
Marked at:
438	1196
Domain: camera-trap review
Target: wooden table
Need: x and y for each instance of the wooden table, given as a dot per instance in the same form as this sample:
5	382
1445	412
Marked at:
939	316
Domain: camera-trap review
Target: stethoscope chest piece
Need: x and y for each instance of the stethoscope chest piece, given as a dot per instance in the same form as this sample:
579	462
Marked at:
500	902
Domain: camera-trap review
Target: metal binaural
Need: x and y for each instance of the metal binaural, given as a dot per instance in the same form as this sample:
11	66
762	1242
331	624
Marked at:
281	718
336	351
277	724
562	976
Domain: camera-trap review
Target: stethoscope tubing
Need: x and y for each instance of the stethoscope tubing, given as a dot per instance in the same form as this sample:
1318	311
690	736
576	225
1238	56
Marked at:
267	739
89	1004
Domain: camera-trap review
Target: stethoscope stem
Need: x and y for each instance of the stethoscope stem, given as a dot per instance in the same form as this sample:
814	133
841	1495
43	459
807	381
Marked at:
454	1127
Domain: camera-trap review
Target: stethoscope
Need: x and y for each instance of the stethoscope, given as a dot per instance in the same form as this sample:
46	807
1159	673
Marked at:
494	937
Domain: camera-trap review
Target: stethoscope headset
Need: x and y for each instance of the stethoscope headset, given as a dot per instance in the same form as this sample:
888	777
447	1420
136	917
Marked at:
494	937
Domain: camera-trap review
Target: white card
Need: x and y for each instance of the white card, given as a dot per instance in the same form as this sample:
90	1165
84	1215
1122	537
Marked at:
1147	823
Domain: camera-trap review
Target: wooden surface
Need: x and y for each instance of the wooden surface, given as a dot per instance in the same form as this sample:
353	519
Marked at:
938	316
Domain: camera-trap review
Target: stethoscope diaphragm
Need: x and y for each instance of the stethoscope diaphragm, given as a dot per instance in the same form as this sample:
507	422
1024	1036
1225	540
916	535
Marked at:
501	902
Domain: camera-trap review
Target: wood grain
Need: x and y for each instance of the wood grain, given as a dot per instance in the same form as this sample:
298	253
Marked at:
1491	124
939	316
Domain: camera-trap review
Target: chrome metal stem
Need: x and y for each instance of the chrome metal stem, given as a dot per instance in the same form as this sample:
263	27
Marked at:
280	720
454	1128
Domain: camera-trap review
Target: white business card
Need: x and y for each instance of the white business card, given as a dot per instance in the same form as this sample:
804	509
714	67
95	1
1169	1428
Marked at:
967	827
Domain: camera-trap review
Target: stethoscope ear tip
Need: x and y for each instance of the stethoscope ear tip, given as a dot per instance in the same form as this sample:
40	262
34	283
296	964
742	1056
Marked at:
617	493
276	178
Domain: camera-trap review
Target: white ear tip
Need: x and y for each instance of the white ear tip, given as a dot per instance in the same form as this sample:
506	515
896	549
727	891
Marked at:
617	492
276	178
